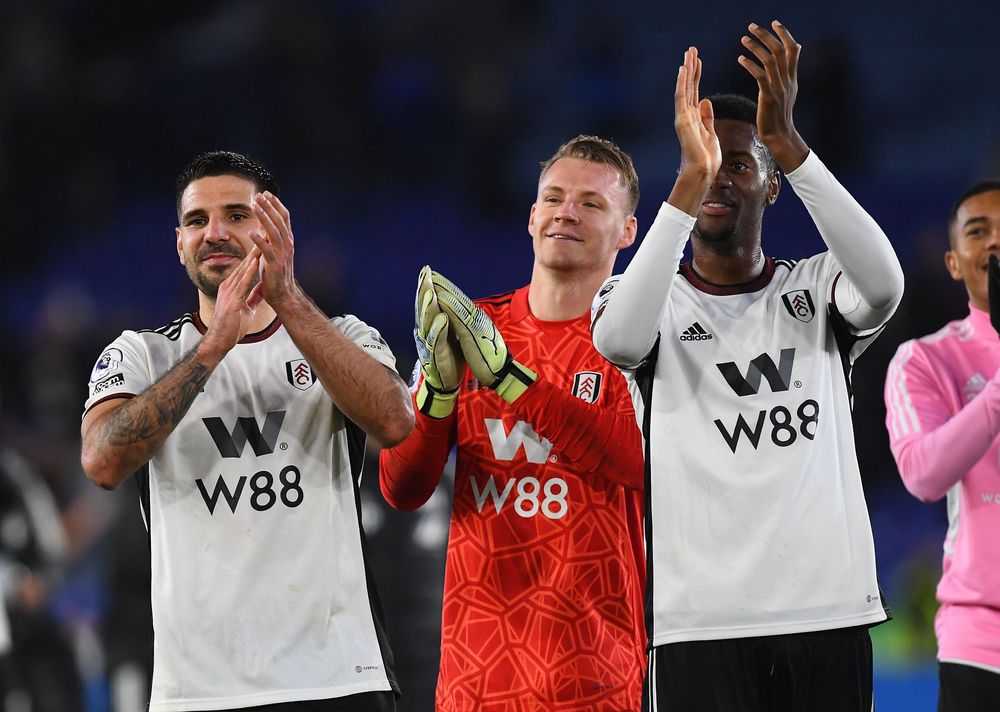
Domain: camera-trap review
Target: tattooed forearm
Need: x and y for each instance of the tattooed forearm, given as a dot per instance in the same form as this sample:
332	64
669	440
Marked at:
155	413
118	442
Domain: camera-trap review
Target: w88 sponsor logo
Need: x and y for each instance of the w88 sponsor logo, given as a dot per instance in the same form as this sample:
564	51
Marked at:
532	498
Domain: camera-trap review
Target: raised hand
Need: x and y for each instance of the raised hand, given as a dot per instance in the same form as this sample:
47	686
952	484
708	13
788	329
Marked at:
776	70
694	120
694	123
277	248
441	361
237	298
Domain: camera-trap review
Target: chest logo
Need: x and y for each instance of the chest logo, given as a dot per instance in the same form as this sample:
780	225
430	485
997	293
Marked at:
974	386
778	377
246	430
587	386
522	435
300	373
799	304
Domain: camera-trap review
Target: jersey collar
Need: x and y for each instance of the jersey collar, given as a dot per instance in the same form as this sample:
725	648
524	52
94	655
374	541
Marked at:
249	338
703	285
981	326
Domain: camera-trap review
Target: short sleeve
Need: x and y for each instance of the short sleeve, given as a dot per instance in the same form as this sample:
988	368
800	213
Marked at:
366	337
121	371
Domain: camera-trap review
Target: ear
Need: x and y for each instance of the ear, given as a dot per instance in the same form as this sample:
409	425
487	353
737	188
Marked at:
531	220
773	187
951	263
180	248
628	234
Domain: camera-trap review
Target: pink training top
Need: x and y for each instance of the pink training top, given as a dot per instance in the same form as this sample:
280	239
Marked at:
942	396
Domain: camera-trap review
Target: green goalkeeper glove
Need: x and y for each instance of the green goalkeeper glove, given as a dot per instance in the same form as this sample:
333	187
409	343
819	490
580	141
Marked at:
482	345
440	358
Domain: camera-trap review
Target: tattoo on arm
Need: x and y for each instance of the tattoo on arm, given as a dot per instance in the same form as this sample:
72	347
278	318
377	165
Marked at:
152	415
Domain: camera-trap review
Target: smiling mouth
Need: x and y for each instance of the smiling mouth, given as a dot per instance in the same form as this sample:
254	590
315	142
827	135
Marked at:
716	207
560	236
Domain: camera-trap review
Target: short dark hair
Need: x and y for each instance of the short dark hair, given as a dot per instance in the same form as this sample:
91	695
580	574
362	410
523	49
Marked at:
601	150
736	107
983	186
224	163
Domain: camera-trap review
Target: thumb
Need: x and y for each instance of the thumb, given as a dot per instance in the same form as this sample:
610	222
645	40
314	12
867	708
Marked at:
707	112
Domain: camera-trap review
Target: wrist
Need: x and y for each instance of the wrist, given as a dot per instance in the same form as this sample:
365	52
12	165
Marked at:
690	189
434	402
789	152
517	379
292	301
208	353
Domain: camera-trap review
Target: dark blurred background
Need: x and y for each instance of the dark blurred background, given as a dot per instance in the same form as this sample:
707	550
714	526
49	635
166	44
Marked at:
406	133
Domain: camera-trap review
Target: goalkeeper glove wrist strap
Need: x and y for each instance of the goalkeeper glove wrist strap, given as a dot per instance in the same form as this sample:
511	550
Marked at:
433	402
513	380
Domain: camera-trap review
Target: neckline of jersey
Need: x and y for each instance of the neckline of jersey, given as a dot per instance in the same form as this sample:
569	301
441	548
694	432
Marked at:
703	285
249	338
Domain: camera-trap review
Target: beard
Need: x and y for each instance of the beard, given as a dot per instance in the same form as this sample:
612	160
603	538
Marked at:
208	280
719	236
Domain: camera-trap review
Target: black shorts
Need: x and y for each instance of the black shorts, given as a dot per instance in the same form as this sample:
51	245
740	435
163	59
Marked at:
967	689
363	702
825	671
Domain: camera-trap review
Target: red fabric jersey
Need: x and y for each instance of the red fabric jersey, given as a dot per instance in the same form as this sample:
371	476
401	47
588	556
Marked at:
545	568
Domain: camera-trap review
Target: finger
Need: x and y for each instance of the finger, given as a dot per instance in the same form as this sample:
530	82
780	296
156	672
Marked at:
707	112
691	61
763	56
264	245
680	92
755	70
239	271
243	284
697	81
792	47
436	327
279	216
255	297
269	220
773	44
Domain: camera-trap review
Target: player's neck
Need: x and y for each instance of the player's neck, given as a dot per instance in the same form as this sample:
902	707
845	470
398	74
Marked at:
728	266
262	316
561	296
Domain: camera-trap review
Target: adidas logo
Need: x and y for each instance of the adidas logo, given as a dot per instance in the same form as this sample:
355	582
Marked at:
695	332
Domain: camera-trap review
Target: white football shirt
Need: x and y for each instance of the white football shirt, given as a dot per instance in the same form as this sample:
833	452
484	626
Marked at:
260	589
757	522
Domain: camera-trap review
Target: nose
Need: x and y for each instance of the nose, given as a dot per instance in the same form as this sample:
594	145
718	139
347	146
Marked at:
216	230
722	179
567	212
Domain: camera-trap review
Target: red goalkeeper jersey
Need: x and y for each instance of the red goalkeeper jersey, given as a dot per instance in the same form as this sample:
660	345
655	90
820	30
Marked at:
545	567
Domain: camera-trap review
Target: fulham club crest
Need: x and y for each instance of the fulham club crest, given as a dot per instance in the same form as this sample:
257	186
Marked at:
300	373
587	386
799	304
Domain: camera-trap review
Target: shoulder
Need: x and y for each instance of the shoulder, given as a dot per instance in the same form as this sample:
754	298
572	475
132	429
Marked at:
170	332
364	335
936	347
496	303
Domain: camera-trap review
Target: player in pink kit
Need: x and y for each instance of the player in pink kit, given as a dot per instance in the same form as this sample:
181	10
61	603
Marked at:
942	396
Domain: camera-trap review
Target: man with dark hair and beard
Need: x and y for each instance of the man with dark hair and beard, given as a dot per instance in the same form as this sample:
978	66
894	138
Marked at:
248	469
761	577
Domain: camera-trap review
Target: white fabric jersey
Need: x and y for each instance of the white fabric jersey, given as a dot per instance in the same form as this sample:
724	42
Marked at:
758	519
260	588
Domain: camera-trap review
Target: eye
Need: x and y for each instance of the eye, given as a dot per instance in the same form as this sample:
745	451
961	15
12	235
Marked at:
592	204
196	222
237	217
551	199
740	167
975	232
